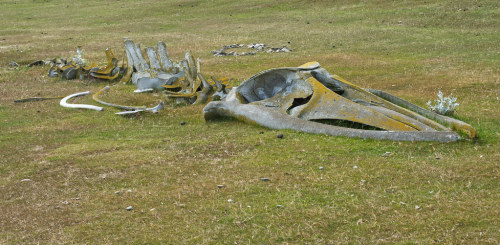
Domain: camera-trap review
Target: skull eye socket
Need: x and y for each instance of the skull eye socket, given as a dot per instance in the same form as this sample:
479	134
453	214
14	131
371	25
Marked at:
267	85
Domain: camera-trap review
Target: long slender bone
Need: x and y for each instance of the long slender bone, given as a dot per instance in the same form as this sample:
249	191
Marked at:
64	103
459	125
273	119
155	109
105	89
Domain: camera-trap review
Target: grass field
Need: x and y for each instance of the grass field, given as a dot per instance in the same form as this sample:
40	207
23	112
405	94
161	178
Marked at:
86	167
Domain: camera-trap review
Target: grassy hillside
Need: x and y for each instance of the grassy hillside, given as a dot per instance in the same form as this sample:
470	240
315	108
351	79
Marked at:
85	167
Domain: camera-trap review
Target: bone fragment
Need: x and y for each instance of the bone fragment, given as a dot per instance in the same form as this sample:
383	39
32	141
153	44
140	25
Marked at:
64	103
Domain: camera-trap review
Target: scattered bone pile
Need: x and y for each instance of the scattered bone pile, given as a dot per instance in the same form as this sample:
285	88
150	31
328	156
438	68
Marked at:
256	47
77	67
151	70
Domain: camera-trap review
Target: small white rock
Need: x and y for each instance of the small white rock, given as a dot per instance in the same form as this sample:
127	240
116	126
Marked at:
321	168
229	200
24	180
129	208
129	190
117	192
355	167
417	207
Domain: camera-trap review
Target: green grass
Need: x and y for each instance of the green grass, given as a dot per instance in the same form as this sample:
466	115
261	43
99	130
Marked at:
78	159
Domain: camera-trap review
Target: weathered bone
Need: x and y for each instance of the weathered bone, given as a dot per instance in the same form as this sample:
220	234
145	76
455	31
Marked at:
140	56
273	119
155	110
64	102
129	68
288	98
165	61
457	124
131	53
153	60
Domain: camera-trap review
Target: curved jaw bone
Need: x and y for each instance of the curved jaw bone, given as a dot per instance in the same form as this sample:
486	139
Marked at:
289	98
273	119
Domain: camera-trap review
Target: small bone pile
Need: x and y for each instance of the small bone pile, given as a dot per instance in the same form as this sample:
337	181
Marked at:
257	47
77	67
182	80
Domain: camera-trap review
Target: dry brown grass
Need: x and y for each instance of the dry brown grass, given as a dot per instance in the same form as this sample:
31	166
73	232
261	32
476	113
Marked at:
77	160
